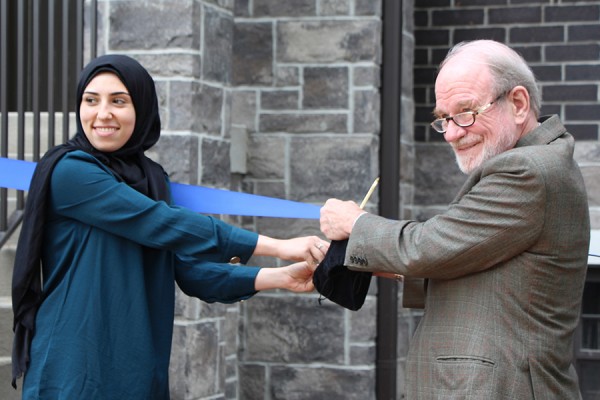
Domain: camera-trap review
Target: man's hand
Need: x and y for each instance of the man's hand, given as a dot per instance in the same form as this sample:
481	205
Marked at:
338	217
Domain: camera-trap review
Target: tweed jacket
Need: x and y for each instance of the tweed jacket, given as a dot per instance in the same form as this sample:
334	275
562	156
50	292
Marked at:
504	271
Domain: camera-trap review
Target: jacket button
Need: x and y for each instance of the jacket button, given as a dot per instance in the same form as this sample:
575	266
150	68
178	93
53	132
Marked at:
235	260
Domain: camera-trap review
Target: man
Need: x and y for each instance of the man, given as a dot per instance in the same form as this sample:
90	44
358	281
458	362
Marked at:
504	266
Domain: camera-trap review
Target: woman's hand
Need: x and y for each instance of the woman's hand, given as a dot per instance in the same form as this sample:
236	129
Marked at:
295	277
311	249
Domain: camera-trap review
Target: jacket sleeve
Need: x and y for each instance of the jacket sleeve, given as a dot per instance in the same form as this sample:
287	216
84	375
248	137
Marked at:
496	218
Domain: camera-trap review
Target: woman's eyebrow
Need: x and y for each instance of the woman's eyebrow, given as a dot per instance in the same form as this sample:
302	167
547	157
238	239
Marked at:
110	94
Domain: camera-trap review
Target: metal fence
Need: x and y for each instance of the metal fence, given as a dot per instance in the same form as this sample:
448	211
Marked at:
42	46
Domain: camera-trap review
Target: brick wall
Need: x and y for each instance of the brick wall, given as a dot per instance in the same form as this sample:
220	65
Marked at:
560	40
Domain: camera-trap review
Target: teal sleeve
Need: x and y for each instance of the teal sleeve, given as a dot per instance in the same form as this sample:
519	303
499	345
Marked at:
215	282
84	190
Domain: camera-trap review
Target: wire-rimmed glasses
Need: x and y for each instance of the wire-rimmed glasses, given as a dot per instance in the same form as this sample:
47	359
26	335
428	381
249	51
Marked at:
463	119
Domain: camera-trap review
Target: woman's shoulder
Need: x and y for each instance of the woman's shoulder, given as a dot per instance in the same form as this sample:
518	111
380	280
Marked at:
77	162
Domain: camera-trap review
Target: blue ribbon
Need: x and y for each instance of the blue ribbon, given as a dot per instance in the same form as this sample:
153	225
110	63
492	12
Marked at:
16	174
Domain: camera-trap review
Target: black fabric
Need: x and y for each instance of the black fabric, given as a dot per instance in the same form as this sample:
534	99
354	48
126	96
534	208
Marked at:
338	283
129	164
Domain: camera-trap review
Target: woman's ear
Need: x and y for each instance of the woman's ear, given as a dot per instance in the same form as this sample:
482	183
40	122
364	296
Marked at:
518	98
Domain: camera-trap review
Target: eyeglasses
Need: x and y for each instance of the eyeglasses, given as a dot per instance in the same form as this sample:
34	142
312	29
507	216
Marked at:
463	119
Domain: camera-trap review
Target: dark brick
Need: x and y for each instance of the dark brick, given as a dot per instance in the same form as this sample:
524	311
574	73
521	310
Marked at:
498	34
429	37
421	18
583	132
437	55
582	112
582	73
432	3
423	114
551	109
425	75
457	17
571	13
529	53
421	57
420	133
463	3
584	33
542	34
570	92
530	1
547	72
512	15
419	94
573	52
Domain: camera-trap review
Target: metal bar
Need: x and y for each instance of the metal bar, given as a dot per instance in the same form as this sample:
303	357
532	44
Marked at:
65	70
50	76
93	28
21	90
35	79
3	106
79	37
389	200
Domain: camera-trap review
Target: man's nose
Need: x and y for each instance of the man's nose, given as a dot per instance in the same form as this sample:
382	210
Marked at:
454	132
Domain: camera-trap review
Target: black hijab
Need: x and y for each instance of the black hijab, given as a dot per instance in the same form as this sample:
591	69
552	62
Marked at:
128	163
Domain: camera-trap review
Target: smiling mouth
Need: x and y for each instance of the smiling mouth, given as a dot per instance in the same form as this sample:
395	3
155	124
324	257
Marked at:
105	131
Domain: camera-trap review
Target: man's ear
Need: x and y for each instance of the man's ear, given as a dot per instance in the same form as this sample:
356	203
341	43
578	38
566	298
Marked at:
519	101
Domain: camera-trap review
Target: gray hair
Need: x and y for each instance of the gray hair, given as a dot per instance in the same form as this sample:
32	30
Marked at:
507	67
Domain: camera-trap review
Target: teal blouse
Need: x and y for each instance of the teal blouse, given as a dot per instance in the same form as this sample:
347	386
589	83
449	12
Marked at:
110	261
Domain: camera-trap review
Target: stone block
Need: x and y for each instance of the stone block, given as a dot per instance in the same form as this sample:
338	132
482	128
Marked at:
228	5
252	53
328	41
437	176
334	7
195	354
367	111
198	106
215	163
292	329
178	154
277	8
367	76
368	7
344	167
303	122
244	108
362	354
252	381
136	25
266	157
218	42
171	64
299	383
287	76
279	99
325	88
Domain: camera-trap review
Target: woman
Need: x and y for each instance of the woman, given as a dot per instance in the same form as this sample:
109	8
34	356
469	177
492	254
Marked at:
99	219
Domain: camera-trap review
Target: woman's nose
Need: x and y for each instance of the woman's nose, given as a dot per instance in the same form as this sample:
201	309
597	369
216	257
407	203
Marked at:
104	112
